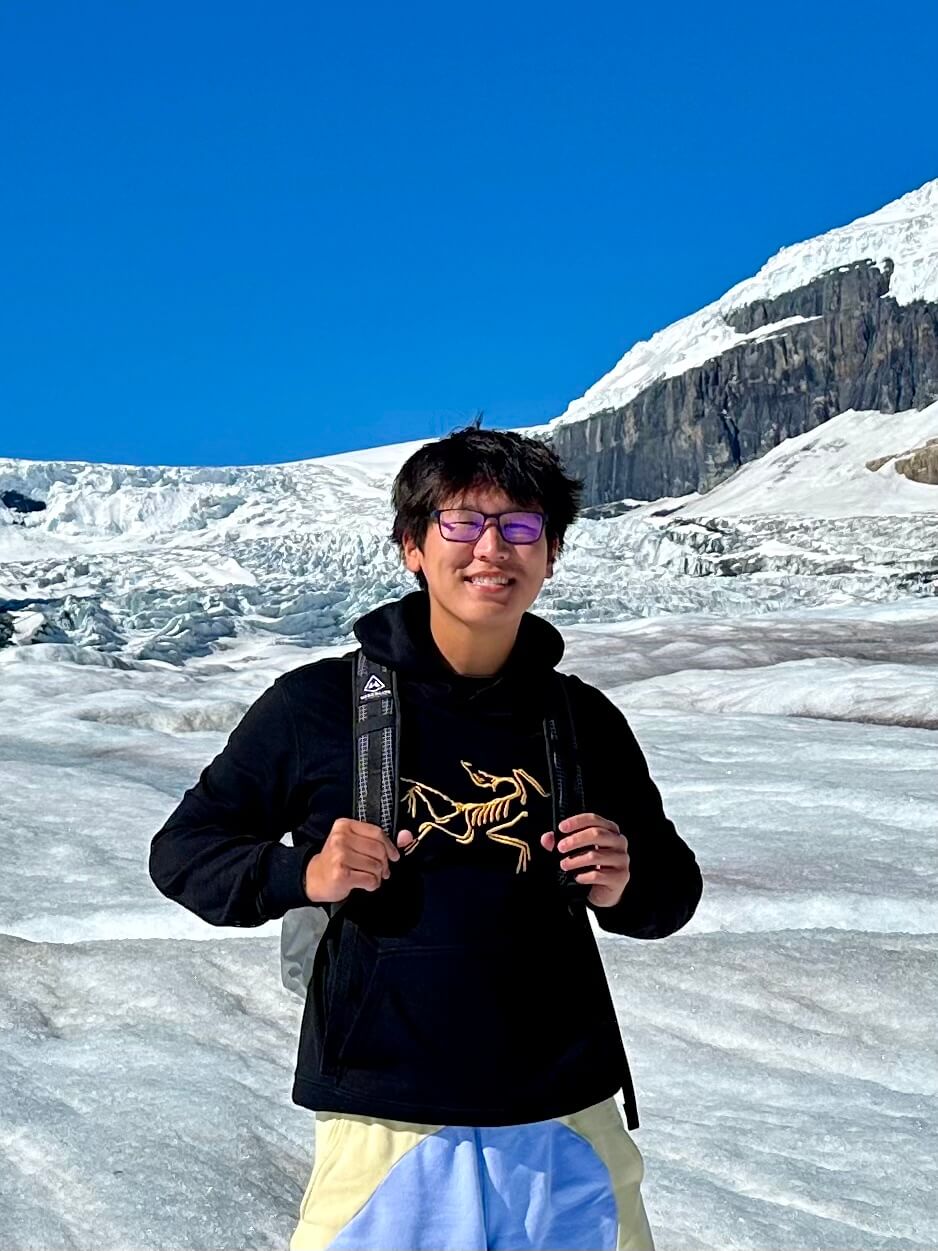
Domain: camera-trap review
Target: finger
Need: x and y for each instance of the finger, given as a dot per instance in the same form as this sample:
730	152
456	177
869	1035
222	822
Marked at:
364	861
596	855
593	837
366	828
586	820
548	840
603	876
372	840
363	879
617	868
372	833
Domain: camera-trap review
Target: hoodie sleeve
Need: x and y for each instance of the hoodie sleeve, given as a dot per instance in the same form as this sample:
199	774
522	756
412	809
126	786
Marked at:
219	853
665	883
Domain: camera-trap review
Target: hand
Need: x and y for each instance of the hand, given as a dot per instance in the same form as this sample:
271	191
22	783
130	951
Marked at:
593	840
355	854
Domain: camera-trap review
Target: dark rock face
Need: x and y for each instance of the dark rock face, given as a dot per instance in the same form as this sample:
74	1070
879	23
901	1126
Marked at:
837	291
861	350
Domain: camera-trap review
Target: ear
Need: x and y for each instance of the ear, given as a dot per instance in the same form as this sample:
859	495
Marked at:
551	557
413	556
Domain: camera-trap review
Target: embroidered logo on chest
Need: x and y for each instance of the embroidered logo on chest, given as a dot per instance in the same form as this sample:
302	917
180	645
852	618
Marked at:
491	817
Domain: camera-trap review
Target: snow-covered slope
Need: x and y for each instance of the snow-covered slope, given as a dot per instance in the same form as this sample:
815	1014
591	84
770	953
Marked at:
825	472
102	507
160	564
904	231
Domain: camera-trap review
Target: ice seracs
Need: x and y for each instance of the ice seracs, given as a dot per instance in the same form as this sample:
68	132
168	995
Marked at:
307	552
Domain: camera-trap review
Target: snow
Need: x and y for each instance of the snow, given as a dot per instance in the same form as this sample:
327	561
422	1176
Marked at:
905	232
783	1044
786	479
308	549
808	523
763	642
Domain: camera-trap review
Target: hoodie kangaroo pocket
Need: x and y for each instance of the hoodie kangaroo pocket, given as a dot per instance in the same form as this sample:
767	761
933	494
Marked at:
345	994
454	1015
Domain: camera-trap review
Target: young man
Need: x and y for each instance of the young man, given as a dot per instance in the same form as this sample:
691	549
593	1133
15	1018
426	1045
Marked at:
459	1042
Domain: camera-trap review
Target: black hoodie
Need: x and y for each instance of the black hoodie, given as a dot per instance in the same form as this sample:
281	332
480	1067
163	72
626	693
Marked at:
468	989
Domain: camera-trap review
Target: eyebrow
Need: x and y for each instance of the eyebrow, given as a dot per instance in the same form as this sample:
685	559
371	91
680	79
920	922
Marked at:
510	508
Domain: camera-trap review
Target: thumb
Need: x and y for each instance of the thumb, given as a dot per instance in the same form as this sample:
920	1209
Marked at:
548	840
405	838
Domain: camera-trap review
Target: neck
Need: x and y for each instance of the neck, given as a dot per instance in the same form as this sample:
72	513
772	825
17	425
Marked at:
474	652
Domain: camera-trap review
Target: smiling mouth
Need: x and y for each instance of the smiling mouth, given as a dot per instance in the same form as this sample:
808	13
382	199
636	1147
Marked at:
488	580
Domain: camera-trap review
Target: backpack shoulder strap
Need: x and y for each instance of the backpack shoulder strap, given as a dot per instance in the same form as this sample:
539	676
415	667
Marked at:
375	717
375	752
375	763
563	759
566	778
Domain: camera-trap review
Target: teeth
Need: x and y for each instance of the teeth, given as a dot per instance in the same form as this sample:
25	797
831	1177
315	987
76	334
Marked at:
490	581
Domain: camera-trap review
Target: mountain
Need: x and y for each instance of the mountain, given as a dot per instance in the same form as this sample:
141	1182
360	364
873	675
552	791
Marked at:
130	565
778	449
845	321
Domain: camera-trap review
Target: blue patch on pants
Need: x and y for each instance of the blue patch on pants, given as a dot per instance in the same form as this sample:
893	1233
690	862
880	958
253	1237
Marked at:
513	1187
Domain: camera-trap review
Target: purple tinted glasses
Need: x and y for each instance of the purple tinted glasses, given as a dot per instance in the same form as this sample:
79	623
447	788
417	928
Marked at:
465	525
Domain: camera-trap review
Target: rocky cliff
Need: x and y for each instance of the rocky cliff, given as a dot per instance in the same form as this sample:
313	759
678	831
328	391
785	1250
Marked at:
839	342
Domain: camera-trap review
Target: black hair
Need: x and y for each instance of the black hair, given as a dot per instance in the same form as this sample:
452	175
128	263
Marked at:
526	468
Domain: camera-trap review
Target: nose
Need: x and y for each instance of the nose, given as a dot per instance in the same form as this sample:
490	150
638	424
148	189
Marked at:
490	542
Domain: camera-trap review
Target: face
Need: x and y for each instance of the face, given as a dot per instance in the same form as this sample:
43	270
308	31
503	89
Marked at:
450	567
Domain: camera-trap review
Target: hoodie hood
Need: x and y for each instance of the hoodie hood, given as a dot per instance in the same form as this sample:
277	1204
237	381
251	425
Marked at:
398	635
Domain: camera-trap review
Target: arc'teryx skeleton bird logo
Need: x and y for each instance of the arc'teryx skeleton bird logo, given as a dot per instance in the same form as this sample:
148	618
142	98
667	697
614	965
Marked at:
476	814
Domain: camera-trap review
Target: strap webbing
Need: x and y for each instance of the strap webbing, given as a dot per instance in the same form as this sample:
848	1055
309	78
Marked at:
565	775
375	715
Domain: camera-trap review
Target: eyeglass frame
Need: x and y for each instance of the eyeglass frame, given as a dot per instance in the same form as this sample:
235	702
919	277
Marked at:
496	517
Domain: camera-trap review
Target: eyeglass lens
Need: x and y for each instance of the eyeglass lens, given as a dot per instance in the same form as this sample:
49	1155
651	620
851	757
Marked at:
464	525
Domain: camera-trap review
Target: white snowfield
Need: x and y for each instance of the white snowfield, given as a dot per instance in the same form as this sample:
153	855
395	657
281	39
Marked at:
783	1044
905	232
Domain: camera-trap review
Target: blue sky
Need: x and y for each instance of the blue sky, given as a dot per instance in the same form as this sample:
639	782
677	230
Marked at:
242	233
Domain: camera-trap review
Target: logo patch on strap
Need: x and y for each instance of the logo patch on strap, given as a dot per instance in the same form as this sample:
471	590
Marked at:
374	688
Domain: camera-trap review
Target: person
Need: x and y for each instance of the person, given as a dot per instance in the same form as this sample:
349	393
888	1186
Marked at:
459	1043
